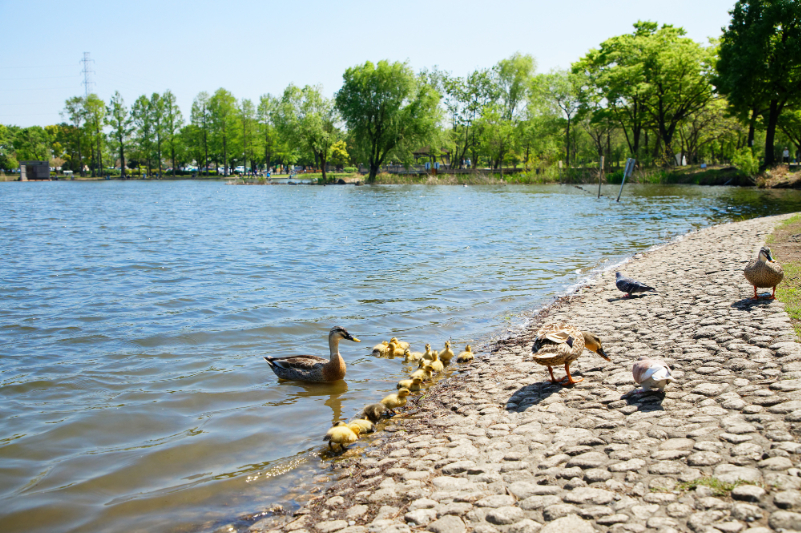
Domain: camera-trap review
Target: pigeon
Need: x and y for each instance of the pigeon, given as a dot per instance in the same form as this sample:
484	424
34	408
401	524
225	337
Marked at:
630	286
651	374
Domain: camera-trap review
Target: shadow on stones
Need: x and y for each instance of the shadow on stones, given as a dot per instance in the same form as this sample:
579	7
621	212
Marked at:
531	394
645	401
632	297
746	304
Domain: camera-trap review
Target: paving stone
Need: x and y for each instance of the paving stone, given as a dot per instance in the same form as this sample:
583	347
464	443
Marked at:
568	524
749	493
447	524
789	500
331	526
704	459
505	515
586	495
728	473
786	520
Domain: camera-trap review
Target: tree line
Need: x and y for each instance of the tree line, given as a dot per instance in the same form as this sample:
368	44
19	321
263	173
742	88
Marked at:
653	94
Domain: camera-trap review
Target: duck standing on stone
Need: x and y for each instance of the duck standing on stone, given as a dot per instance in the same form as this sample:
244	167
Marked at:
651	374
561	344
630	286
764	272
312	368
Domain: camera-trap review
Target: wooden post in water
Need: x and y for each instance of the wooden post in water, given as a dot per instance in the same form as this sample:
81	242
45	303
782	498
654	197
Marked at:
600	175
626	173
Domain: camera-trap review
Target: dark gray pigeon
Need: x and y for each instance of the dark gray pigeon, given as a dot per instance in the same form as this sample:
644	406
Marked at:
631	286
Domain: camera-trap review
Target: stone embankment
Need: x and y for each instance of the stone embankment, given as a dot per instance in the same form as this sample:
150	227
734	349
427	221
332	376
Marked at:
497	448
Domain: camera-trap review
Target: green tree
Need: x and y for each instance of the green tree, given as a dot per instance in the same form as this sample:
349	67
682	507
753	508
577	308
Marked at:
309	119
75	111
201	118
95	113
157	120
266	127
222	110
118	118
465	100
387	108
514	77
142	116
7	159
247	119
759	65
173	121
563	91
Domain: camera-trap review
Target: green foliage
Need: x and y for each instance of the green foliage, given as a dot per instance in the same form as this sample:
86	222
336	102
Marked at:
719	488
745	162
349	170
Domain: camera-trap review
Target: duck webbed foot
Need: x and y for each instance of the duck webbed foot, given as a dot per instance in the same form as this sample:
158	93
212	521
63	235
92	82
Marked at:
756	296
553	379
568	380
773	296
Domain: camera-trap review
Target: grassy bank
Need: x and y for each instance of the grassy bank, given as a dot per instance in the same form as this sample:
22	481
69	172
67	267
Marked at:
785	245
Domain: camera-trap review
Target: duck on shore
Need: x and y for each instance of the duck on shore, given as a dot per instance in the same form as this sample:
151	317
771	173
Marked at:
561	344
312	368
764	272
466	356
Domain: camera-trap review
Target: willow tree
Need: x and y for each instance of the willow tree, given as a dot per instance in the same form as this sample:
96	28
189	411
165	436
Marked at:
387	109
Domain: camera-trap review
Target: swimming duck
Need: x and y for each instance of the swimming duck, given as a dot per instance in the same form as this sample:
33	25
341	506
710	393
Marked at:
414	384
380	349
313	368
402	344
424	372
651	374
340	435
393	401
764	272
411	357
374	412
447	354
428	355
466	356
560	343
365	426
436	365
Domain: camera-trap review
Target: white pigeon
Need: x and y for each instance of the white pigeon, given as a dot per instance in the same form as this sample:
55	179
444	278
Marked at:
651	374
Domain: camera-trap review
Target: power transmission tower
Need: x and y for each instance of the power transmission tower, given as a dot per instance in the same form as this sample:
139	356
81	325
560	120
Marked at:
87	73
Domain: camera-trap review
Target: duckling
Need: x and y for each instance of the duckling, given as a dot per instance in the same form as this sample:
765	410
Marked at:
374	412
365	426
414	384
311	367
340	435
428	355
466	356
560	343
393	350
764	272
411	357
424	372
380	349
402	344
393	401
447	354
436	365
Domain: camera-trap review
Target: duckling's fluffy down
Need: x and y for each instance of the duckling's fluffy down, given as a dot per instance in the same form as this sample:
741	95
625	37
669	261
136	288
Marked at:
342	434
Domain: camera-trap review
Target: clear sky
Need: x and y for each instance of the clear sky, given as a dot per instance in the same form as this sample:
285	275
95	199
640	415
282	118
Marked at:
253	47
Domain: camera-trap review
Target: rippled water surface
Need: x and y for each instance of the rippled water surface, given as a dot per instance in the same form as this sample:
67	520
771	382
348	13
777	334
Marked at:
134	317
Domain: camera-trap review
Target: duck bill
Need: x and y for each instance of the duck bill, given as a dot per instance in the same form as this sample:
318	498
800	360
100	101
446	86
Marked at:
769	256
352	338
602	354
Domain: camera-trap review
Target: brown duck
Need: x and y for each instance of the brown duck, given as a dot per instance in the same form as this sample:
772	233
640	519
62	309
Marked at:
312	368
764	272
561	344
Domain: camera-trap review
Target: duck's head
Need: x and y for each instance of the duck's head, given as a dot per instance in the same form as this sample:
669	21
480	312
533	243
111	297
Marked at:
417	381
422	363
593	343
428	347
338	332
764	254
447	344
404	392
468	348
394	339
407	353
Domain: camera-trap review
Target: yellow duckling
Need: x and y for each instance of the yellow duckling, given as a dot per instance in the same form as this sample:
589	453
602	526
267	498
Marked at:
374	412
414	384
340	435
365	426
393	350
447	354
424	372
411	357
436	365
403	345
393	401
466	356
428	355
380	349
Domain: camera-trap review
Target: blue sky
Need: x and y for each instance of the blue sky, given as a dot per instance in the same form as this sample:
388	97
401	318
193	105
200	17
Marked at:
255	47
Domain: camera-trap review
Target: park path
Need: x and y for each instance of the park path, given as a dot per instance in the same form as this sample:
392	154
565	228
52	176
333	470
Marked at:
496	447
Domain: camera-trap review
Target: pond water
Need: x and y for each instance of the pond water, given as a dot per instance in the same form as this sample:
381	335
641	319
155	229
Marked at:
134	318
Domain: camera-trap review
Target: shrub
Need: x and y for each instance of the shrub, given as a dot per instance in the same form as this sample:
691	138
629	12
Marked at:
615	177
745	162
350	170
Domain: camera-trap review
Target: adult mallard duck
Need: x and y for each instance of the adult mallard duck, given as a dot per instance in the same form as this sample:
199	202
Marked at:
561	344
764	272
313	368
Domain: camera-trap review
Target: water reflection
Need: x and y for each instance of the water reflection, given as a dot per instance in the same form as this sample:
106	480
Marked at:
331	392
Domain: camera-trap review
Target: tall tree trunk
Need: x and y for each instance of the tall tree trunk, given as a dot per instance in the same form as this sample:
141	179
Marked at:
172	149
322	164
568	142
122	159
206	150
770	132
99	154
225	156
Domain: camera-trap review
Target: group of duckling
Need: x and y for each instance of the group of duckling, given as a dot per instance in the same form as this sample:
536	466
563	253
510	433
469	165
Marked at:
429	363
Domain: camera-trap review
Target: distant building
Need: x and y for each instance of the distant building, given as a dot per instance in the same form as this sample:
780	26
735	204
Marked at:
34	170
